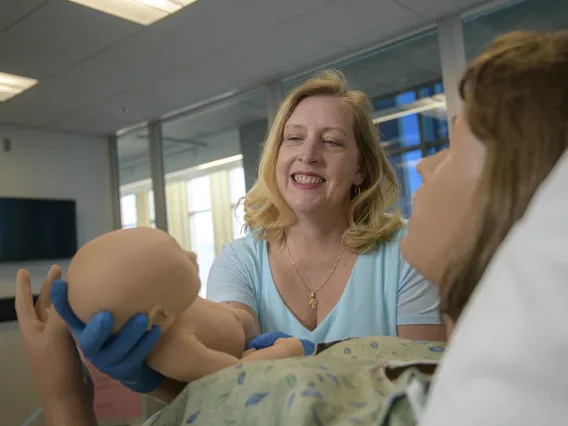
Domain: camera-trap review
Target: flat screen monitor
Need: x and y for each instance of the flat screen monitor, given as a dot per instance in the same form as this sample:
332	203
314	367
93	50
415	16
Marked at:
37	229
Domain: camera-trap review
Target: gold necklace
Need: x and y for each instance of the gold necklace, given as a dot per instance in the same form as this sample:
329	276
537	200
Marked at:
313	301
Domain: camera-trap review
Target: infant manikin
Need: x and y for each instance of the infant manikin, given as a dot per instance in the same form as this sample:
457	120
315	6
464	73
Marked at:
145	270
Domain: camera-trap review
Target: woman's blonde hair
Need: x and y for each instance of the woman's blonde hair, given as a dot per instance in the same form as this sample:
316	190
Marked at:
516	103
373	215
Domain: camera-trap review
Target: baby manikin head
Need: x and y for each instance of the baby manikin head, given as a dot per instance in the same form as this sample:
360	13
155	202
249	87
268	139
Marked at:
131	271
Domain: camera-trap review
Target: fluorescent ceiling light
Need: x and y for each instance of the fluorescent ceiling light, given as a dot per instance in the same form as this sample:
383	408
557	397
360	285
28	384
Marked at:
219	162
436	102
12	85
143	12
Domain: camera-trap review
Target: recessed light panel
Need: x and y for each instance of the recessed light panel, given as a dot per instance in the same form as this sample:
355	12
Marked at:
144	12
12	85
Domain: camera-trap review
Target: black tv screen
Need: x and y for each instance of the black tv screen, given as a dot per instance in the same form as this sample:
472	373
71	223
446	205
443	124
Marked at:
37	229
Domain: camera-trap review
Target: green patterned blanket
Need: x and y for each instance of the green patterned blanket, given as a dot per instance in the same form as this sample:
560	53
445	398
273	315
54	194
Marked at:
345	383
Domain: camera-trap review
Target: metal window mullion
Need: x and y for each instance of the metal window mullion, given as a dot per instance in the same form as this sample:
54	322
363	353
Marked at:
158	174
427	145
114	182
423	146
453	61
274	96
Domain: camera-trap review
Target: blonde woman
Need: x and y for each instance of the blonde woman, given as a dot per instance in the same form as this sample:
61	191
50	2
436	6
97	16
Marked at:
322	259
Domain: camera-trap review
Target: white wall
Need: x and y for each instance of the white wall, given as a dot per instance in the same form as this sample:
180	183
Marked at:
46	165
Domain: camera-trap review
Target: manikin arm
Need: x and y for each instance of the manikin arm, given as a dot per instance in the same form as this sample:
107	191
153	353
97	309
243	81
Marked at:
186	359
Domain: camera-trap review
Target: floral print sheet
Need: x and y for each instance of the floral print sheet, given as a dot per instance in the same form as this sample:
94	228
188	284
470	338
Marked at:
343	383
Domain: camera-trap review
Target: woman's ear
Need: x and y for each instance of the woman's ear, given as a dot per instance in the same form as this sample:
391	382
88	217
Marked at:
359	177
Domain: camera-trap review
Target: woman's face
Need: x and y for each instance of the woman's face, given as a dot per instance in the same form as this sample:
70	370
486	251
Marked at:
318	159
440	227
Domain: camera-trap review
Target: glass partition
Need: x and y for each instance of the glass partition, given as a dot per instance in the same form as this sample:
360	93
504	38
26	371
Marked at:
237	190
136	196
205	175
540	15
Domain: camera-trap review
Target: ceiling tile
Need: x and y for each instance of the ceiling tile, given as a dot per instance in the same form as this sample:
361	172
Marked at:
212	122
143	103
183	88
437	8
210	48
348	21
229	70
15	111
91	124
287	49
195	32
288	9
57	36
173	44
13	10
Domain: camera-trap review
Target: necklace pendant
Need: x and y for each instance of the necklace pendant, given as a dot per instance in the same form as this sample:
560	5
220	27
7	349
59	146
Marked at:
313	301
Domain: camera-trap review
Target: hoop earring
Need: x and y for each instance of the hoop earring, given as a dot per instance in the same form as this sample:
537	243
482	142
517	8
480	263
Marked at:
357	191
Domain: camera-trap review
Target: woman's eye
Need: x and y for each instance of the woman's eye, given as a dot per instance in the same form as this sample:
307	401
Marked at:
332	142
293	138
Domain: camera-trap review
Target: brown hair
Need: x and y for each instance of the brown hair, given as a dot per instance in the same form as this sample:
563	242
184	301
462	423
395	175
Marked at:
373	215
516	103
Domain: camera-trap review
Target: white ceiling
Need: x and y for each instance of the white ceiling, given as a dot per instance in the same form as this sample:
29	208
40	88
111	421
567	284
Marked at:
90	65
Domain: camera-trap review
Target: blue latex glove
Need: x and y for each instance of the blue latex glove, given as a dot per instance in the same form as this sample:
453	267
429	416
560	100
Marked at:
121	356
267	339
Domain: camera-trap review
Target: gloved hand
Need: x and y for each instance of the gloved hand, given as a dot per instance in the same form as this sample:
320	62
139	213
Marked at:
121	356
267	339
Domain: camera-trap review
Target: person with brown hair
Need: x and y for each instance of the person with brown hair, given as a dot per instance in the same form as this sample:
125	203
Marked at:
510	136
511	132
505	281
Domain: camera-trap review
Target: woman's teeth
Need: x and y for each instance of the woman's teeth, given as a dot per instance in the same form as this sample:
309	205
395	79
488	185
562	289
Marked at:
308	179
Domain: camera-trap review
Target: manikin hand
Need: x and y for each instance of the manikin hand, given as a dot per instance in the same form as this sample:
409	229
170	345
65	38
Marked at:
121	356
51	351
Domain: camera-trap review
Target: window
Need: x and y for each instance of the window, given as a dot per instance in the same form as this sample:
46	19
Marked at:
151	209
412	125
129	218
237	191
201	226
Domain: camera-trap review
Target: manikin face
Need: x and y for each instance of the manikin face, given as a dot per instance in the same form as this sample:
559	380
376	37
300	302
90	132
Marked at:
441	226
318	160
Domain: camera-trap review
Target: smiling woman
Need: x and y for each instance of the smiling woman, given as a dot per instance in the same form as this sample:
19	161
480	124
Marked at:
308	183
325	229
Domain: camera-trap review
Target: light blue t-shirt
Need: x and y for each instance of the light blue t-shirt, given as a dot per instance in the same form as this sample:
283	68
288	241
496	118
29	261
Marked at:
383	291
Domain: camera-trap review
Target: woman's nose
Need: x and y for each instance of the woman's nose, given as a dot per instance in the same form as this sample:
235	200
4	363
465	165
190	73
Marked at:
310	151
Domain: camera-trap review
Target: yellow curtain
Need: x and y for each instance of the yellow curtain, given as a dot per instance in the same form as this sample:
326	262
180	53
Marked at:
221	209
142	209
176	204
